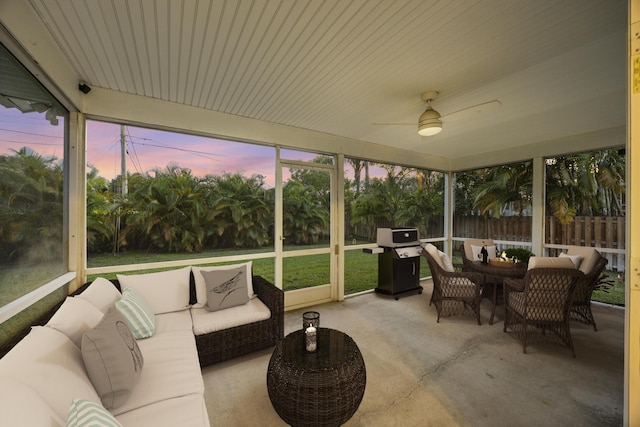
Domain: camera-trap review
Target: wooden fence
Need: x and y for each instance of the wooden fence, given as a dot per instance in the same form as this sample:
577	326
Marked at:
607	233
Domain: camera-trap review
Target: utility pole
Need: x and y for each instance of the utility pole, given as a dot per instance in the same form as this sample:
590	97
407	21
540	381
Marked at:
123	161
123	185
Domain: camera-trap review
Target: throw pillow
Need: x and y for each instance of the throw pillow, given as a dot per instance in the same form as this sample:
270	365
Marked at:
477	255
74	318
137	314
84	413
112	358
576	259
101	293
164	291
446	262
225	288
201	286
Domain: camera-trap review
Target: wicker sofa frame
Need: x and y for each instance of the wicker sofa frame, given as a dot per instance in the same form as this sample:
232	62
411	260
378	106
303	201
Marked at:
244	339
216	346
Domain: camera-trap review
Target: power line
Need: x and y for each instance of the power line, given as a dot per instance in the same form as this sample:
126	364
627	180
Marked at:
31	133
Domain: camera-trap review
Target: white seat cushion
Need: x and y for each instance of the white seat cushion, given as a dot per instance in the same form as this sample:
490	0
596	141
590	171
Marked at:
184	411
205	321
171	369
175	321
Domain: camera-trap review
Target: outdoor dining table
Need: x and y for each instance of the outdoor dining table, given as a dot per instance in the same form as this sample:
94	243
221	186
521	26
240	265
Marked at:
493	274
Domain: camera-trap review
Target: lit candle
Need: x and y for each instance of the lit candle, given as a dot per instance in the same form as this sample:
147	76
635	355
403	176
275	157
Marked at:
310	339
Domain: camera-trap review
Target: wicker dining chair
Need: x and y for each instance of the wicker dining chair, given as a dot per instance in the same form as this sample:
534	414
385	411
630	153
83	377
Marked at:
541	302
453	291
581	305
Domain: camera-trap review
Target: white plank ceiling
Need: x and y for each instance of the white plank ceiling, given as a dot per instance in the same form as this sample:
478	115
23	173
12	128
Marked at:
558	68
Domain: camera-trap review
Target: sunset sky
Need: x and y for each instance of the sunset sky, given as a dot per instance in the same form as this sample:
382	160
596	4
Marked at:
146	149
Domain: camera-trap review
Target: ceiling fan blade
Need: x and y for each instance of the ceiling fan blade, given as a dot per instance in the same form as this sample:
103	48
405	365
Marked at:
394	124
485	107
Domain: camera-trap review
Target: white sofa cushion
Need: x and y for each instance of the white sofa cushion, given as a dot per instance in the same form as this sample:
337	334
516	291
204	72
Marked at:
20	405
113	359
137	314
171	369
549	262
576	259
84	413
175	321
589	257
183	411
205	321
74	318
468	252
201	285
101	293
446	262
164	291
45	360
435	254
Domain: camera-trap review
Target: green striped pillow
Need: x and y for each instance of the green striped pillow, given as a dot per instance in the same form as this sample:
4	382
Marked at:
84	413
137	314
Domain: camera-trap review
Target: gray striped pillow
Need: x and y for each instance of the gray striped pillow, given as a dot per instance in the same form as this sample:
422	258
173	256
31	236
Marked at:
84	413
137	314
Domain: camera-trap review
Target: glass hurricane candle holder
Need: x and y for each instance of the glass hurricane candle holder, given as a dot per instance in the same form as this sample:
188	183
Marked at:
310	326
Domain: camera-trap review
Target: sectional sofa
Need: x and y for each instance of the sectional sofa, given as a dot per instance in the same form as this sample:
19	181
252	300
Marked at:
128	352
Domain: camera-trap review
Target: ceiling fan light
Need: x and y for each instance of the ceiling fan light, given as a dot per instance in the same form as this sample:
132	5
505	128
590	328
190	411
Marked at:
429	129
429	123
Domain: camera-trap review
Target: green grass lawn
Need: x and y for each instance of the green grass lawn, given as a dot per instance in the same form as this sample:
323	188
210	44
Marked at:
360	270
361	274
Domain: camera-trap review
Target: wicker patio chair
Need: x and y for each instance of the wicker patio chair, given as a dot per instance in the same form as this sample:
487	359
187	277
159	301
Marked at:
453	292
541	302
468	260
581	305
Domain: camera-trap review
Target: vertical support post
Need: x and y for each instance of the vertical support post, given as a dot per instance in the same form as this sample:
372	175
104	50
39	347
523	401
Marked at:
537	204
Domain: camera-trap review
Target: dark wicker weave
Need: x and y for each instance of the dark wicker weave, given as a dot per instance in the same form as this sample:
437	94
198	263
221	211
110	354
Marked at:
237	341
316	389
541	301
453	292
216	346
581	305
493	277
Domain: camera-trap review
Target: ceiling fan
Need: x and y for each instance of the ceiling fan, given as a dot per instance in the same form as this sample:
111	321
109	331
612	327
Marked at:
430	122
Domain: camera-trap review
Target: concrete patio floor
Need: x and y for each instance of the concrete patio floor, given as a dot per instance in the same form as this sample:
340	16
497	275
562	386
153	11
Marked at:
452	373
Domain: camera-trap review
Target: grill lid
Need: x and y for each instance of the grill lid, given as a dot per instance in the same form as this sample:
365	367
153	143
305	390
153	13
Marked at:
396	237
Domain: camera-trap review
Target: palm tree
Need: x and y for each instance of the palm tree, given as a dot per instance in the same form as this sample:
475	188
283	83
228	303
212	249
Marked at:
167	211
244	211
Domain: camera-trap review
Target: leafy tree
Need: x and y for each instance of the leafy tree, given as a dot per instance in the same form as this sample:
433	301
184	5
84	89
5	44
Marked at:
100	213
169	208
31	206
505	187
305	215
586	184
244	211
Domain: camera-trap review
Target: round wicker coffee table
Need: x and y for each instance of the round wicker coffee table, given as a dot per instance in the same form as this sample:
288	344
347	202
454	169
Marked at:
323	388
